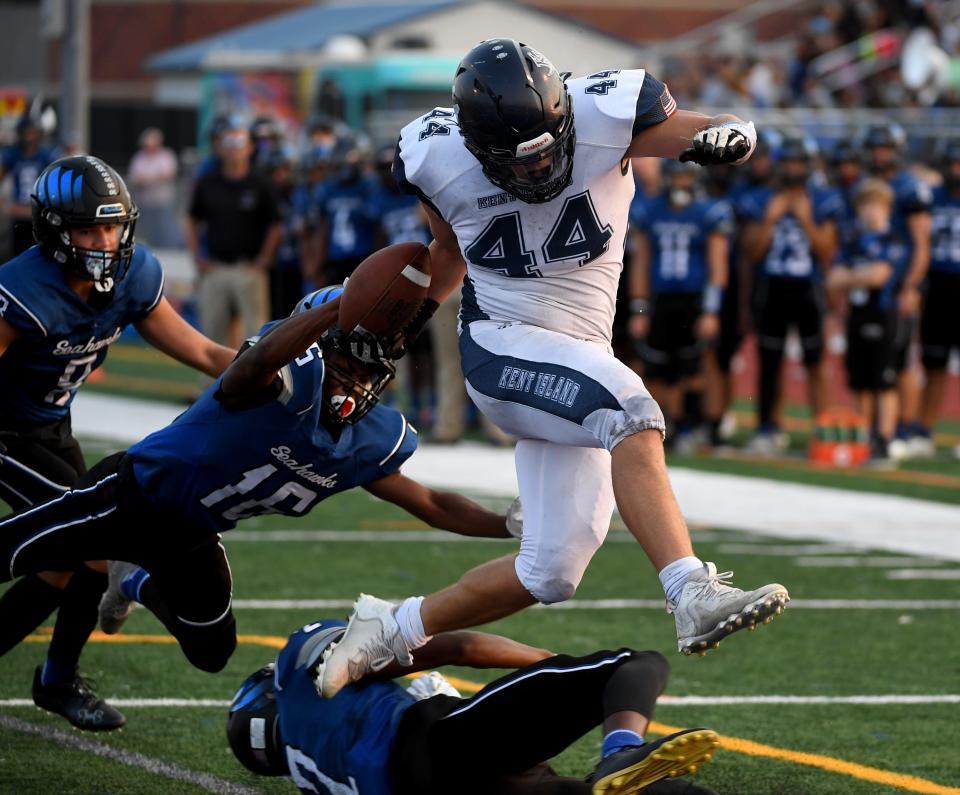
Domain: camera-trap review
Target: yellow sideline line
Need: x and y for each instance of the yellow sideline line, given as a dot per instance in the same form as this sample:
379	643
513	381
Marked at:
735	744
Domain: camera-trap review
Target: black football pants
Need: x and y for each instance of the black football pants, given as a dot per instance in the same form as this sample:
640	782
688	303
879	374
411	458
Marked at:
106	518
490	742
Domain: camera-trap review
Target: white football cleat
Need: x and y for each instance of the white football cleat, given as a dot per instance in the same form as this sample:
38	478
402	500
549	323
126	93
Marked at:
710	609
371	642
114	606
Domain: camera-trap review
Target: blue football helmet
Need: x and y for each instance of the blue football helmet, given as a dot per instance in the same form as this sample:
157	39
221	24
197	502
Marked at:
78	192
253	726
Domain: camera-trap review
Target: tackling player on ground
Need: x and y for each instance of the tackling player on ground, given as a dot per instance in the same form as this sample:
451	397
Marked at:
527	184
376	738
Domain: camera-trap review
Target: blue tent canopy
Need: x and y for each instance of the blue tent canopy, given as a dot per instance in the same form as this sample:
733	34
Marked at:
303	30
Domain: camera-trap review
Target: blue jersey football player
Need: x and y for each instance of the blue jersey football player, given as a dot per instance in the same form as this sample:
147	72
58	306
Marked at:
872	265
790	236
345	227
23	162
884	146
292	421
63	302
376	738
939	330
678	274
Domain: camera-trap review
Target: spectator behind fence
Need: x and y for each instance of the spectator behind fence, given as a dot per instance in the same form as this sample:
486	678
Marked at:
152	177
238	214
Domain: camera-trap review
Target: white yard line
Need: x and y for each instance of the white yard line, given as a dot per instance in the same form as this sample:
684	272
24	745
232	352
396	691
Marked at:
923	574
158	767
627	604
851	562
674	701
755	505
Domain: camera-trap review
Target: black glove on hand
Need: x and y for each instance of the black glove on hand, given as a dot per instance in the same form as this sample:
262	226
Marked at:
729	143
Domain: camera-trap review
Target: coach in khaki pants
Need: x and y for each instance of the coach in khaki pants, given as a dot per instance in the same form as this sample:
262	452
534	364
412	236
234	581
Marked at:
235	210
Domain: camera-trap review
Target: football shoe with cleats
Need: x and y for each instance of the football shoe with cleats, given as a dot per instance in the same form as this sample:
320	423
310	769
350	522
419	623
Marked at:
638	768
115	608
75	698
710	609
371	642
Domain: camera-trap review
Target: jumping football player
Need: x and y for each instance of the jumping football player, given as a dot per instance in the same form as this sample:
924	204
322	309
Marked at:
293	421
62	304
427	740
527	183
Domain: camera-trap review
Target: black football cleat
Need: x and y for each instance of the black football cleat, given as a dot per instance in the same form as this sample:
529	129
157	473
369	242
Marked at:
636	768
76	700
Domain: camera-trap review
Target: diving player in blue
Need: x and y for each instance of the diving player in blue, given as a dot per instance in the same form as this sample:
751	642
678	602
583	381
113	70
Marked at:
678	274
939	329
292	421
23	162
375	738
63	302
790	236
884	146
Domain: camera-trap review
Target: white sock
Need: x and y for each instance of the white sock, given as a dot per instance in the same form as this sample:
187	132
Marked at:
674	575
410	622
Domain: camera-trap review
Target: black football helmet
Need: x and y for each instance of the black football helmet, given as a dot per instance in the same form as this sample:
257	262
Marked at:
948	158
516	118
253	726
888	135
77	192
357	363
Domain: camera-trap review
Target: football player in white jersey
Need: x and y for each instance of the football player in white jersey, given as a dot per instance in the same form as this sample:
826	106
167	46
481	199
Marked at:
527	183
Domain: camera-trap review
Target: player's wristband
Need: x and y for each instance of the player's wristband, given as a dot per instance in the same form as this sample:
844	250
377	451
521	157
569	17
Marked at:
639	306
712	299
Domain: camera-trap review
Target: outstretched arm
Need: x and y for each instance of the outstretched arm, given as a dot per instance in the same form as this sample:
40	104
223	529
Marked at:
470	650
442	509
257	367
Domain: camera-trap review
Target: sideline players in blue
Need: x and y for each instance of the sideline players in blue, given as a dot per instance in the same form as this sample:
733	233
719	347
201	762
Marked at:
375	738
63	302
677	278
293	421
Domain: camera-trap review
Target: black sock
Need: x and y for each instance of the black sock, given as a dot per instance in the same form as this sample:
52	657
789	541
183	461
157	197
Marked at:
77	617
24	607
693	409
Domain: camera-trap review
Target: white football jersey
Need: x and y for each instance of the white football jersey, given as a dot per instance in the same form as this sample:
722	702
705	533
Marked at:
557	264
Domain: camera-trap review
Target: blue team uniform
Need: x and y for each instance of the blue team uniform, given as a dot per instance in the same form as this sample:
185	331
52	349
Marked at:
341	744
790	255
868	247
399	216
945	235
62	338
678	241
215	466
344	207
911	195
24	169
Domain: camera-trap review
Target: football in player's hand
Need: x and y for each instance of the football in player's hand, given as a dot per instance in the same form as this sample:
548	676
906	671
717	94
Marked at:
385	291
